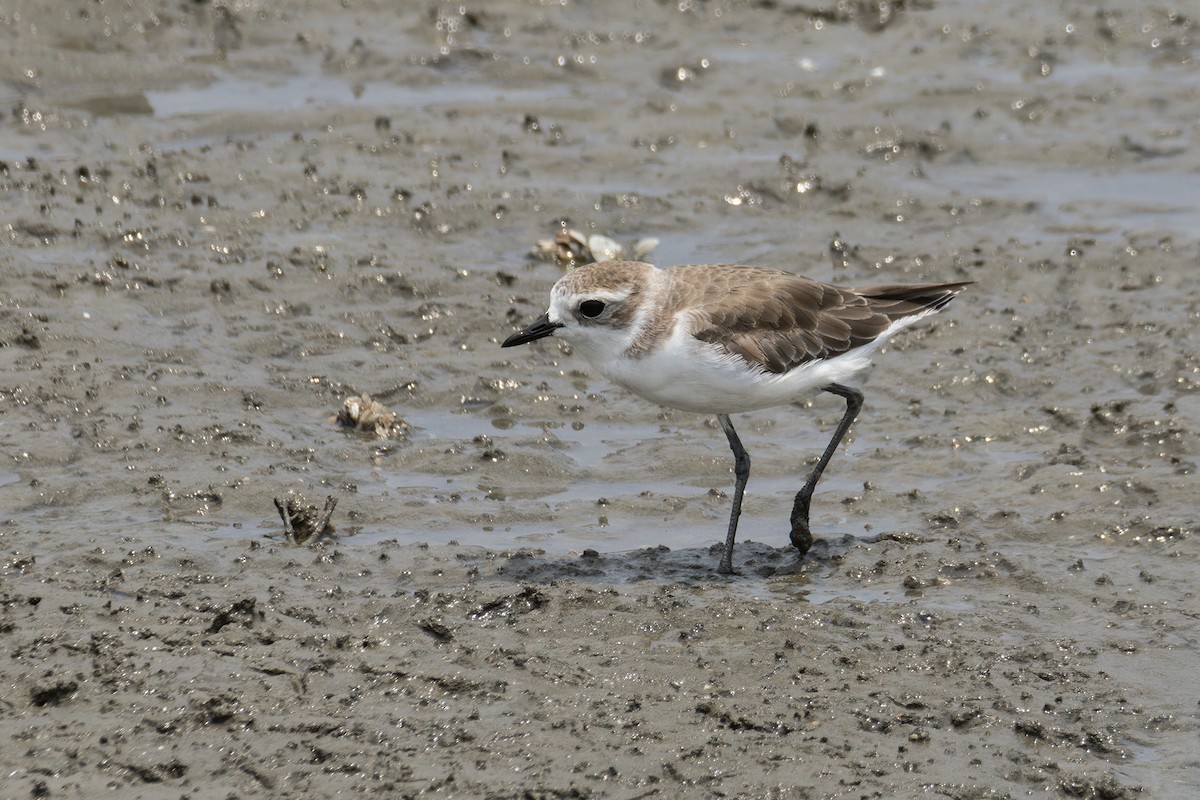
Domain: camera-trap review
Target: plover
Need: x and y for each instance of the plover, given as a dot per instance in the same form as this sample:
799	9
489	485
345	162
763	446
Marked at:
723	339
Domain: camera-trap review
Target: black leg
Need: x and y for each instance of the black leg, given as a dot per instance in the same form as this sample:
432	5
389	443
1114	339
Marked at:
741	471
801	535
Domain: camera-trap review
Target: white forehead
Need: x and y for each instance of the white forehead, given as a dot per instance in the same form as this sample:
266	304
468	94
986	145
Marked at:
566	294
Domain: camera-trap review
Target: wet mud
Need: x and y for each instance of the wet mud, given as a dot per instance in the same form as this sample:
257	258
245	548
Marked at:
260	255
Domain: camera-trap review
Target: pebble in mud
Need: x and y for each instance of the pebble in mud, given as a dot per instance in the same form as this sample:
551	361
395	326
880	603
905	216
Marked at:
364	413
571	248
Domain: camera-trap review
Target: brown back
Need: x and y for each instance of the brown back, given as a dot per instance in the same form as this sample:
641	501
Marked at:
780	321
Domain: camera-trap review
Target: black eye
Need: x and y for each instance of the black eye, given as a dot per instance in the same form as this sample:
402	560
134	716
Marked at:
591	308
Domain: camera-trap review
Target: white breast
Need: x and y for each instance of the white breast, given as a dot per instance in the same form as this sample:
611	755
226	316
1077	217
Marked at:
685	373
690	375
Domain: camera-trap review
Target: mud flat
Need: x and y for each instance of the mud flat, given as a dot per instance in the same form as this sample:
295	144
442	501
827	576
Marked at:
222	221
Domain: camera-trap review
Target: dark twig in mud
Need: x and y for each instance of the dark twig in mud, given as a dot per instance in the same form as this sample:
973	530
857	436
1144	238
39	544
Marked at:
302	522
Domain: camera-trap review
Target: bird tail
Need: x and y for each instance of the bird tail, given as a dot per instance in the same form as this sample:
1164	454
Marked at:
898	300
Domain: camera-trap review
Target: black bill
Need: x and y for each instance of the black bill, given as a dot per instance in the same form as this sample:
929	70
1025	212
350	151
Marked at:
541	328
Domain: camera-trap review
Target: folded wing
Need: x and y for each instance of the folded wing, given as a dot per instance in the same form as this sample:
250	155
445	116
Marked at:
778	321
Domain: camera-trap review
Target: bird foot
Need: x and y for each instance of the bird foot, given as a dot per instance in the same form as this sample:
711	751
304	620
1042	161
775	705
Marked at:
801	536
726	565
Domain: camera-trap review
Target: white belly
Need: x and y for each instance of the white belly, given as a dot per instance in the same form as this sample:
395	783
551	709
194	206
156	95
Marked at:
694	376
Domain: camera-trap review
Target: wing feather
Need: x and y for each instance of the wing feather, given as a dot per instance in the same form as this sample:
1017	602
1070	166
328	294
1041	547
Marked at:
779	321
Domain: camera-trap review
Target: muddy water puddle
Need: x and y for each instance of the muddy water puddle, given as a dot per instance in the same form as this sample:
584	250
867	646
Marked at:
1130	199
313	89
